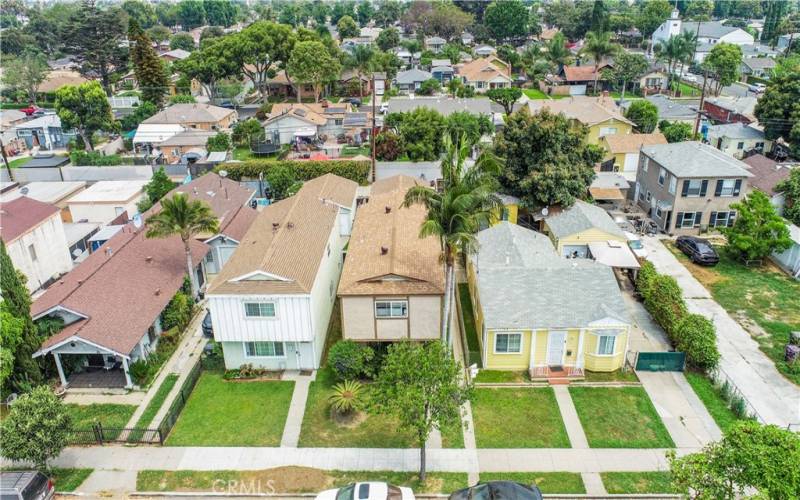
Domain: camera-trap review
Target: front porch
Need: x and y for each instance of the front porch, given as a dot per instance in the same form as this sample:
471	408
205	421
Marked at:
98	379
556	374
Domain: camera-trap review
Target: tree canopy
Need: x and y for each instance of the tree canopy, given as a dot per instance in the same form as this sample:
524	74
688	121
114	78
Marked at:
778	110
507	20
85	108
148	68
505	97
311	62
758	230
644	114
725	62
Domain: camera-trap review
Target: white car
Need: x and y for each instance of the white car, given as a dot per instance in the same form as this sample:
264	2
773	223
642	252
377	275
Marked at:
368	491
756	87
636	245
690	77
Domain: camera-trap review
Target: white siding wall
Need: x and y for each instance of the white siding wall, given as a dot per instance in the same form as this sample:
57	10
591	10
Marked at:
286	127
102	212
292	322
630	166
51	248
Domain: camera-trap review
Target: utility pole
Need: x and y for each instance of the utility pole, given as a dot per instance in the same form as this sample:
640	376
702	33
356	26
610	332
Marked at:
702	101
5	161
372	130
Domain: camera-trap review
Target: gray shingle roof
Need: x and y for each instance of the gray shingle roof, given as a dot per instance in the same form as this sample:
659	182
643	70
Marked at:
523	283
735	131
709	29
580	217
759	62
411	76
445	106
672	110
694	159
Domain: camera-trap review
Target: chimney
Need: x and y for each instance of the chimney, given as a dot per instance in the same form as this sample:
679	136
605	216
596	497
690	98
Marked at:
109	251
388	209
384	250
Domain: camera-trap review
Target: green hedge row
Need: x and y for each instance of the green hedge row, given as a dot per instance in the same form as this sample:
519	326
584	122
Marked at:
692	334
357	171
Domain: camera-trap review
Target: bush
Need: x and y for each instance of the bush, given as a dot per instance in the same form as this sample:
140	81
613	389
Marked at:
388	146
357	171
645	278
429	87
94	159
178	312
144	370
351	360
695	335
665	303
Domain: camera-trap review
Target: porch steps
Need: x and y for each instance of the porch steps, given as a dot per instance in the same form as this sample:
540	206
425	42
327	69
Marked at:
558	381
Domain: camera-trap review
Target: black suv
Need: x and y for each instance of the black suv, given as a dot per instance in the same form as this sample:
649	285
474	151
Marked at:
698	250
25	485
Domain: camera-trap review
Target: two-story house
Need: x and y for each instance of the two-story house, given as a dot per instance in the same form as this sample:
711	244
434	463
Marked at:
392	284
601	115
271	304
689	186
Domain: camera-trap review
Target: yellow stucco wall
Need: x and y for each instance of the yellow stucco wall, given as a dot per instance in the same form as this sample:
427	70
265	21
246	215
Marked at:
513	212
586	237
517	361
594	131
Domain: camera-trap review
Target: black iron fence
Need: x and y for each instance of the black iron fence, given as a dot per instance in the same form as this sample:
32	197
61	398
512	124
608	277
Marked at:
98	434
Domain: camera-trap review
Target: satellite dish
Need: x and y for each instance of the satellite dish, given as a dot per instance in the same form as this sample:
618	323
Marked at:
137	221
223	173
545	211
24	191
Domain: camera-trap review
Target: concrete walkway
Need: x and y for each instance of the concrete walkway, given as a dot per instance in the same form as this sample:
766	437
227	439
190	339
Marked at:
297	409
775	399
577	438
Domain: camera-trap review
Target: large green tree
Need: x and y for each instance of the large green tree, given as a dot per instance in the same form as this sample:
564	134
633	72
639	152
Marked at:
362	60
644	114
758	230
421	131
190	14
790	188
557	52
258	49
725	62
182	41
505	97
26	73
650	17
347	27
775	13
150	72
507	20
158	187
209	66
420	385
142	12
778	110
388	12
311	63
471	127
628	67
388	39
547	160
85	108
599	17
11	330
220	12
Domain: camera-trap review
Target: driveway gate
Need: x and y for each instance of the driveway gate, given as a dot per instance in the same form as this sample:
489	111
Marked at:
661	361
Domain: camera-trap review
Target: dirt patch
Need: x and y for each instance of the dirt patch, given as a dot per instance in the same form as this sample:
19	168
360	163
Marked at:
287	480
349	420
753	328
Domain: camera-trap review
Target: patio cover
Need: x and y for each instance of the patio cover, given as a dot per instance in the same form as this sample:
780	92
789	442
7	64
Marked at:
605	194
614	254
305	132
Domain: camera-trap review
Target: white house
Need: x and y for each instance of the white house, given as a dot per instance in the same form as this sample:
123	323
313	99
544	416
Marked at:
737	138
35	240
104	201
789	259
271	304
708	33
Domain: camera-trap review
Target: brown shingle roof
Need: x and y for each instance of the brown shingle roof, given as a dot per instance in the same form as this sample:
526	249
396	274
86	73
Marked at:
581	73
227	198
288	239
631	143
484	69
19	216
587	110
305	112
190	113
766	173
412	264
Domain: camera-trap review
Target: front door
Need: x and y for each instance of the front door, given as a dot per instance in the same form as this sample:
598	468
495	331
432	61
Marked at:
555	348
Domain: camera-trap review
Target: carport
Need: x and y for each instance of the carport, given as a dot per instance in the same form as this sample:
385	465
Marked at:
614	254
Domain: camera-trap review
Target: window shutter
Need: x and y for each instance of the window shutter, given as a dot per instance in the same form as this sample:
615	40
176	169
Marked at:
679	220
731	218
685	188
718	191
737	187
712	222
698	216
703	187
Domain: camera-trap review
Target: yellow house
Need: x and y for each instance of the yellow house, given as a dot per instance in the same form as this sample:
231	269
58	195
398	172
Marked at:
572	230
509	212
622	152
601	115
539	312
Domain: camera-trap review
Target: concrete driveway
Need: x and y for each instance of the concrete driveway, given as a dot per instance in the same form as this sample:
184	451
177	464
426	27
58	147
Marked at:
774	398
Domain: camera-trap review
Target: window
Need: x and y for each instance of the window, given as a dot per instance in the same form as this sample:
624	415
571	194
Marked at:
607	131
210	256
646	163
648	196
391	309
329	249
727	187
338	121
662	176
673	184
32	252
259	309
504	215
508	343
641	195
760	146
688	219
694	187
605	344
264	349
722	219
740	146
658	210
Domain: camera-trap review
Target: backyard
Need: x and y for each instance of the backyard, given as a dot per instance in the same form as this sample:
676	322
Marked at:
518	418
228	413
763	299
619	417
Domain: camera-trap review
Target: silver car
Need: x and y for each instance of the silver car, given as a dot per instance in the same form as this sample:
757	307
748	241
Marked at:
25	485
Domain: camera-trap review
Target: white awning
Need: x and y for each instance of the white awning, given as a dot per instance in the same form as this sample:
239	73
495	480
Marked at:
614	254
305	132
154	133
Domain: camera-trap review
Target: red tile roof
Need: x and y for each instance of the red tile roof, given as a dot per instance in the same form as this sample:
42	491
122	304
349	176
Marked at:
19	216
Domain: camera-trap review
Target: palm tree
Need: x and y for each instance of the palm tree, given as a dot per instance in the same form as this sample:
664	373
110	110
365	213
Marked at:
186	218
362	60
599	46
346	397
688	42
457	212
557	51
670	51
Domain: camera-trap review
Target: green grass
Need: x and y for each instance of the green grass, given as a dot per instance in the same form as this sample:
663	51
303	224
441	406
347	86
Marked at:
710	396
619	417
350	151
518	418
501	377
686	89
110	416
453	436
549	483
468	315
67	480
320	430
284	480
158	399
223	413
534	94
615	376
631	483
242	153
19	162
763	299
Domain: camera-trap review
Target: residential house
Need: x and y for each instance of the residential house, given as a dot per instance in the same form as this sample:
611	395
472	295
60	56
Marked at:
9	118
371	32
622	152
56	79
51	192
195	116
788	39
576	80
104	201
758	50
726	109
45	133
186	146
542	313
789	259
272	302
610	189
405	56
600	114
689	186
447	106
548	34
175	55
760	67
654	81
737	139
485	73
709	33
467	39
434	44
288	121
672	110
392	285
78	235
425	172
767	173
151	135
349	44
34	237
442	70
574	228
350	81
485	51
410	81
509	211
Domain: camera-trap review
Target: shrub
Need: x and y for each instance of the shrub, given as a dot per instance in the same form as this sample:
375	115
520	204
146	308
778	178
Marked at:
695	335
350	360
357	171
665	303
178	312
429	87
346	397
388	146
94	159
645	278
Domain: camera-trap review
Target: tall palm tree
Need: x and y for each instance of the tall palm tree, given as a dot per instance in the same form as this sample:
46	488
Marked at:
599	46
670	51
688	43
186	218
557	51
457	212
362	60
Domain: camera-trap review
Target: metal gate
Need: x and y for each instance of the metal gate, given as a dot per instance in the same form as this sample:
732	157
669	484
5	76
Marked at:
661	361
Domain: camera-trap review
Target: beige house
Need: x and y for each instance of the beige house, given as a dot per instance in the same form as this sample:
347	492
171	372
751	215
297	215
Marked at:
186	142
392	284
600	114
574	229
195	116
622	151
104	201
485	74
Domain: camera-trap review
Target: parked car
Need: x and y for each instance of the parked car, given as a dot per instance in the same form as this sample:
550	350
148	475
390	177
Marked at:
25	485
208	329
698	250
756	87
499	490
368	491
32	110
690	78
636	245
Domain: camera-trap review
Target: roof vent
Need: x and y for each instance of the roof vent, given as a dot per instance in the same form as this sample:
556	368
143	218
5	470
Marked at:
149	258
289	225
109	251
388	209
158	291
384	250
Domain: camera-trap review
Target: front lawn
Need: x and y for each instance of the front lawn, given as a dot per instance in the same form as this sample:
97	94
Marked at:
763	299
227	413
109	416
158	399
292	480
637	483
518	418
468	316
502	377
711	398
67	480
19	162
350	151
534	94
615	376
549	483
619	417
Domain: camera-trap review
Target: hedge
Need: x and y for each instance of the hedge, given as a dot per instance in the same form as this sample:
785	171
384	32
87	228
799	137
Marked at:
94	159
357	171
695	335
665	303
